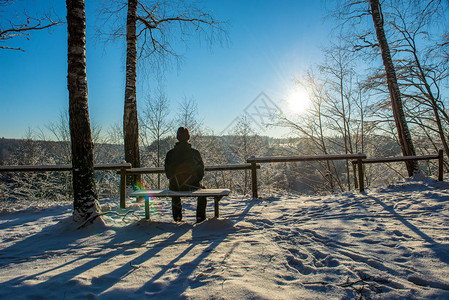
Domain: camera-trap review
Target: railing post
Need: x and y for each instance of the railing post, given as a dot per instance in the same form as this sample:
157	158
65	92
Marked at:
354	171
147	207
360	167
440	165
254	179
122	188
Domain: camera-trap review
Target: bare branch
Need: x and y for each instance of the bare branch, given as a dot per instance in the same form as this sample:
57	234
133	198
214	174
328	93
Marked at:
22	28
162	26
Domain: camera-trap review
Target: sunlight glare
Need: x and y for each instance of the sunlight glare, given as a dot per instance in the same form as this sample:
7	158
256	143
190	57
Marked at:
298	101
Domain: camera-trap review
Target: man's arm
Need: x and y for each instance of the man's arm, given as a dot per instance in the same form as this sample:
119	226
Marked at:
199	165
168	165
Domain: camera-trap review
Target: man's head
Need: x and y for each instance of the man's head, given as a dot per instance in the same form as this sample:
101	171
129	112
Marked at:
183	134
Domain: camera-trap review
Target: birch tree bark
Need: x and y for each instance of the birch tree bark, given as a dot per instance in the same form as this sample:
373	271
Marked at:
404	136
149	24
130	121
85	204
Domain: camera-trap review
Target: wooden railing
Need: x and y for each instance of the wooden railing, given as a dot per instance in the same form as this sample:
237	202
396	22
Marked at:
253	163
60	168
124	169
161	170
376	160
275	159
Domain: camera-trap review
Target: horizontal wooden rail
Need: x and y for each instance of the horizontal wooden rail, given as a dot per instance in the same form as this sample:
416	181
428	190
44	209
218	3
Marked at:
112	166
396	159
29	168
60	168
276	159
160	170
375	160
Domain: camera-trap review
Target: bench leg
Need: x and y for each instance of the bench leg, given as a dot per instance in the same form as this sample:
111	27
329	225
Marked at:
216	200
147	207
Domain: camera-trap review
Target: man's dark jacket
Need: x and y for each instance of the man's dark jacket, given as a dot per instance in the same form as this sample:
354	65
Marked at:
184	167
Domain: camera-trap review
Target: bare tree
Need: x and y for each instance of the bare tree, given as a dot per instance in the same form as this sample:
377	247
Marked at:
214	152
156	124
85	205
151	26
60	131
21	25
354	12
440	6
405	138
187	116
246	143
420	68
115	134
314	136
340	99
423	74
130	121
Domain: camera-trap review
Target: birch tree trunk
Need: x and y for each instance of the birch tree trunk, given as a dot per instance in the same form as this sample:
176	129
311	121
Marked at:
85	204
130	121
404	136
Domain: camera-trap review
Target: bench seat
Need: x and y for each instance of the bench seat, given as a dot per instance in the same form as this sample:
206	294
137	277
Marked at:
147	194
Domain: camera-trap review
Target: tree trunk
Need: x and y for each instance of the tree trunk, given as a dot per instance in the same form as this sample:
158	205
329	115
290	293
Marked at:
85	205
401	124
130	122
346	132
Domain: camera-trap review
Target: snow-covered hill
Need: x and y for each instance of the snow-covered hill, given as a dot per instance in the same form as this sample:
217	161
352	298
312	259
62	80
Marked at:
388	243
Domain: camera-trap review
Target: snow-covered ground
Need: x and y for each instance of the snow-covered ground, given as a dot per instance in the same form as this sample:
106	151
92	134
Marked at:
391	242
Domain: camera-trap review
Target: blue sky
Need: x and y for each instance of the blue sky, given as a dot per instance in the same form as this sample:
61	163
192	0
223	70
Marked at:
270	43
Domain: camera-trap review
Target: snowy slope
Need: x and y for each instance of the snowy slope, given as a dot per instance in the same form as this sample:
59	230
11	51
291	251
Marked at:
388	243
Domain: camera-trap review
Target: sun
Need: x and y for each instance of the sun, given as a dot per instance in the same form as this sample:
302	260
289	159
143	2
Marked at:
298	101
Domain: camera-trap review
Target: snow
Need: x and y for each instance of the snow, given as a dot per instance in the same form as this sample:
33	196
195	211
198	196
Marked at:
387	243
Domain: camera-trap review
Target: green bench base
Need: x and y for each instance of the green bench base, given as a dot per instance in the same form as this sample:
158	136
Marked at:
147	194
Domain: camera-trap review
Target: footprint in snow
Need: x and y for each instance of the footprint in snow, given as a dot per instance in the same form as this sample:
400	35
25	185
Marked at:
297	253
299	265
358	235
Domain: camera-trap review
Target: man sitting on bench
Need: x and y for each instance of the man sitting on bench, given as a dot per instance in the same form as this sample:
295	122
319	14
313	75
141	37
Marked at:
184	168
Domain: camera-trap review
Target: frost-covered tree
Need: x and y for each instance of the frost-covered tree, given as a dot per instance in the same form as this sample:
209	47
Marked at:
155	124
187	116
34	186
245	143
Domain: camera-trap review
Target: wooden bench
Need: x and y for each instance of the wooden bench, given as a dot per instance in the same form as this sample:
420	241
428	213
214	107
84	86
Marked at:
147	194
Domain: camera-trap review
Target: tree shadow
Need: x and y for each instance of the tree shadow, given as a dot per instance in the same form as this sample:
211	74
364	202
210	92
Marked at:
70	244
42	242
200	239
441	250
208	235
62	239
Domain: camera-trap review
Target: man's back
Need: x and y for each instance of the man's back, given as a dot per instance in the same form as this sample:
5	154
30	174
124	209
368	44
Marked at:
184	167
